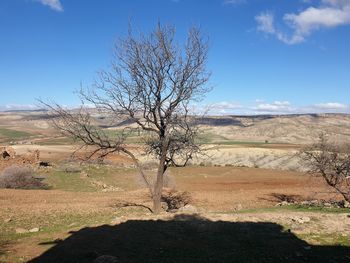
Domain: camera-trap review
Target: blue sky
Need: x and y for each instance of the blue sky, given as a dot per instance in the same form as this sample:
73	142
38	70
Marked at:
266	56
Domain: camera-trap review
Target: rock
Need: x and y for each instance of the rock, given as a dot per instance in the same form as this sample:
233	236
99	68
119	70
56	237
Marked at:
346	204
106	259
165	206
7	220
306	219
7	152
301	220
21	230
34	230
188	209
284	203
83	175
307	203
237	207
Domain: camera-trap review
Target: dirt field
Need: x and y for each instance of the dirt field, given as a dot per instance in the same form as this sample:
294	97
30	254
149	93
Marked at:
220	193
235	190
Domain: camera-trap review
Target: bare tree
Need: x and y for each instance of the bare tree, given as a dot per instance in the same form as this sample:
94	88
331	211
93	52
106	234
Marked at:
332	162
151	82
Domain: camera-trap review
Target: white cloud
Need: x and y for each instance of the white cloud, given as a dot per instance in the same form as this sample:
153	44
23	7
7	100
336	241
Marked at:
223	108
266	23
9	107
234	2
226	105
53	4
329	14
274	107
331	106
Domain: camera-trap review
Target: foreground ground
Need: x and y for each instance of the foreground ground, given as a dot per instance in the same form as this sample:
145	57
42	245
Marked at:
237	218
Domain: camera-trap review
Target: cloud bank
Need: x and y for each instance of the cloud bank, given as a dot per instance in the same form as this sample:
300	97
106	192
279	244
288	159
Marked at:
12	107
329	14
275	107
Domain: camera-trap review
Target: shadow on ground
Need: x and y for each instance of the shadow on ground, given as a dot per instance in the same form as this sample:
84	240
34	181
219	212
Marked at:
3	248
189	238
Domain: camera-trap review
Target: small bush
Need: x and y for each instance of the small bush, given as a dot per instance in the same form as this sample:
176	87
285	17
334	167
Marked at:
72	169
176	199
20	177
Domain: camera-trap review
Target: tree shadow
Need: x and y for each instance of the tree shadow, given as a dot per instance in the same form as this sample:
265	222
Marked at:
190	238
3	246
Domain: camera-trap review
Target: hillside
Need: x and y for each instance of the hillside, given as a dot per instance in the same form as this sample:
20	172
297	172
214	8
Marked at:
291	129
296	129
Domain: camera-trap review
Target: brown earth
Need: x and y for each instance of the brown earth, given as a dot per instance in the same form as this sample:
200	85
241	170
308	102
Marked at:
219	193
218	189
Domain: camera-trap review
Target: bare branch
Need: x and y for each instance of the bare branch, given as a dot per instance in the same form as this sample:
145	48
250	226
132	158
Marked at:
332	162
151	82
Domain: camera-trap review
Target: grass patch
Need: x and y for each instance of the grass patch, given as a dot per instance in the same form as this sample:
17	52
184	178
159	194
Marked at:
69	182
211	138
50	225
294	208
58	141
13	135
123	178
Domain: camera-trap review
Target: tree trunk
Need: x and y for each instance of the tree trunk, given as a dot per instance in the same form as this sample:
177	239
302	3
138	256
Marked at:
158	187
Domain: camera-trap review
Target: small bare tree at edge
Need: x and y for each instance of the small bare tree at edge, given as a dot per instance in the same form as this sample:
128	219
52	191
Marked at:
151	83
331	161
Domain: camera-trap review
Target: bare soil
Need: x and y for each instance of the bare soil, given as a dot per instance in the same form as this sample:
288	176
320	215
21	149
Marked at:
237	217
220	193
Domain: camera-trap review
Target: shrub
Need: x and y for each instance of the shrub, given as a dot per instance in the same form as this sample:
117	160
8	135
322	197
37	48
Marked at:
71	169
20	177
176	199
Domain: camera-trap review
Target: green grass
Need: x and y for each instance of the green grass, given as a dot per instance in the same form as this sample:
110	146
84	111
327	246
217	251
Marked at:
131	136
13	135
69	182
57	141
74	181
211	138
114	176
50	225
294	208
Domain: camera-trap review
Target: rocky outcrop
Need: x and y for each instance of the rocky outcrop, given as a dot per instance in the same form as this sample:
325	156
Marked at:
9	157
7	152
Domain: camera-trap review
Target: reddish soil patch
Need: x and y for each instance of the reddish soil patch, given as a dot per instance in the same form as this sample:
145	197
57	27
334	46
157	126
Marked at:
223	188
